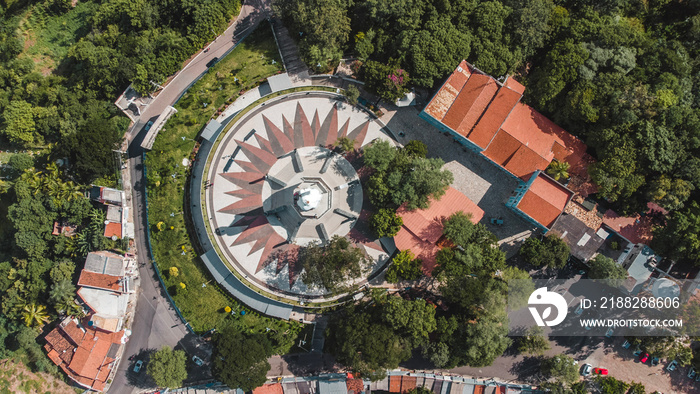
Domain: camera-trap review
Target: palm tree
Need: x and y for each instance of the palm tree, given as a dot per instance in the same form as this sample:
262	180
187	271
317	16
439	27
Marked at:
558	169
35	315
62	291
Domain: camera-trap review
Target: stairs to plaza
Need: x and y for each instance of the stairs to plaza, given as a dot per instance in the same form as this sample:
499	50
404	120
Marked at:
289	50
319	335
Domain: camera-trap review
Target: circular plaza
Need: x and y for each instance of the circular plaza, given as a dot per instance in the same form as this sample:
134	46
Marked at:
275	183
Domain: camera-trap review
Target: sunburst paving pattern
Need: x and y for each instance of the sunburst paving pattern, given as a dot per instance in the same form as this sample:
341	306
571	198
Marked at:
271	159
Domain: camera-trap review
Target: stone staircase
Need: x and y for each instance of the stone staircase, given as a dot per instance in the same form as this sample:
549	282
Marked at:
290	53
319	338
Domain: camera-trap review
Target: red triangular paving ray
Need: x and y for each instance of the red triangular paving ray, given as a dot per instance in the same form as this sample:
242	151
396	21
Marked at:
246	166
328	131
359	134
302	128
281	144
315	124
264	144
252	231
246	180
244	221
344	130
289	131
240	193
261	159
243	205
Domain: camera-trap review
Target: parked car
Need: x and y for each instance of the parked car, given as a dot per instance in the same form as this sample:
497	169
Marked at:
655	361
697	377
672	366
600	371
148	125
643	358
691	373
138	365
626	345
197	360
586	369
637	352
609	334
212	62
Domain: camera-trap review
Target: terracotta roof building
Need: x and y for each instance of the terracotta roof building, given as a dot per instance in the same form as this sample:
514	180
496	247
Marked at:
86	355
540	201
486	115
422	228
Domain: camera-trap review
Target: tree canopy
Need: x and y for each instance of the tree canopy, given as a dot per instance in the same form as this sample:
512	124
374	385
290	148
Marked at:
330	266
551	251
239	359
607	270
167	367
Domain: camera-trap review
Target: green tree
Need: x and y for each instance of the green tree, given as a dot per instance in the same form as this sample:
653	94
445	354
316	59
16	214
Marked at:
607	270
352	94
35	315
323	24
385	223
330	266
167	367
636	388
558	169
389	81
345	144
20	163
404	266
669	193
240	360
552	251
62	291
416	148
411	319
437	353
379	155
560	367
534	342
520	286
680	238
610	385
19	125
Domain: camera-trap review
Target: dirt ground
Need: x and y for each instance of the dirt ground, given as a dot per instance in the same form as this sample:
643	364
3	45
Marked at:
15	377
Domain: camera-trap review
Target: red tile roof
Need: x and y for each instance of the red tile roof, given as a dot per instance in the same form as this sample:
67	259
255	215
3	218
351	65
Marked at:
274	388
500	124
438	106
494	116
423	228
545	200
471	102
355	386
408	383
394	384
637	228
82	353
100	281
113	229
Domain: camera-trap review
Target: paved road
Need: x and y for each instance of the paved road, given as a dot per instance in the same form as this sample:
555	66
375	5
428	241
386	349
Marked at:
155	322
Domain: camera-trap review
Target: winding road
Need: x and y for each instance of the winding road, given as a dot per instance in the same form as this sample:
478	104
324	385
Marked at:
155	322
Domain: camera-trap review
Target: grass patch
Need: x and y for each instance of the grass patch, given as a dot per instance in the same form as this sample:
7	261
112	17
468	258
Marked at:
47	36
204	307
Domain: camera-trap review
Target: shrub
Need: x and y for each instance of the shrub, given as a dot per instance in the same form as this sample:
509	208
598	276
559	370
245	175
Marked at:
404	266
385	223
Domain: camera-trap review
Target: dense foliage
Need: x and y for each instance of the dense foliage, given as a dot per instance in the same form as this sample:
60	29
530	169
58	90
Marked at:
167	367
385	223
373	339
606	270
562	368
240	359
332	265
551	251
404	266
404	176
621	75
